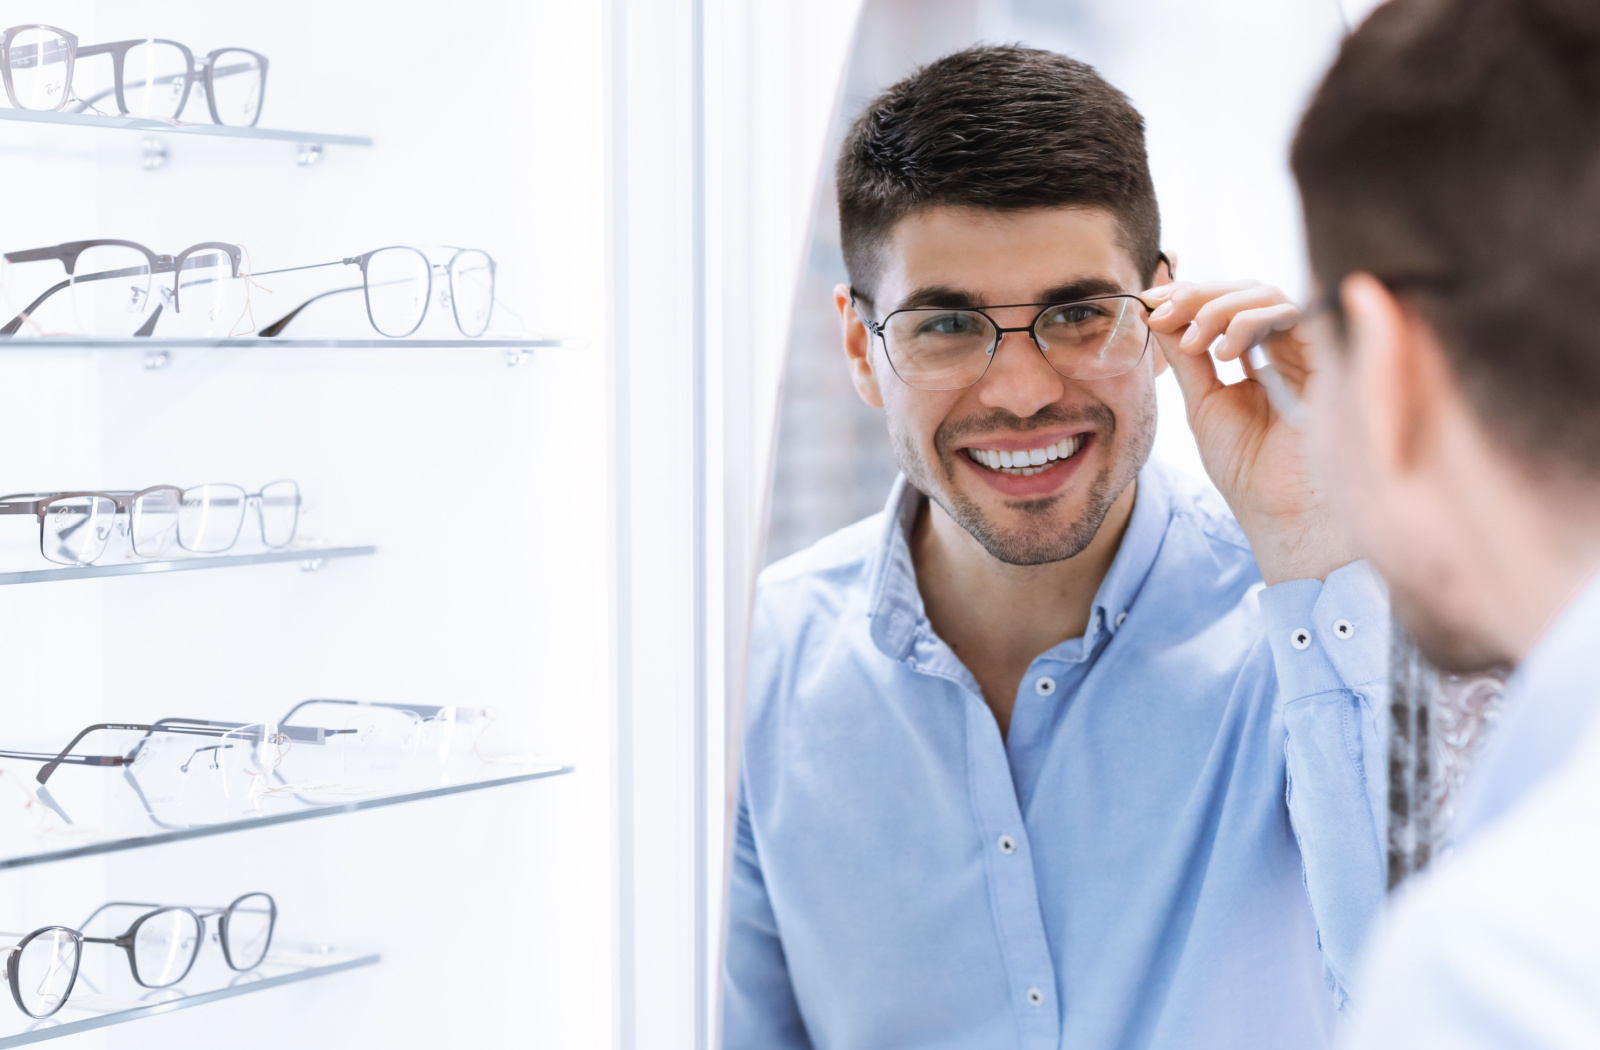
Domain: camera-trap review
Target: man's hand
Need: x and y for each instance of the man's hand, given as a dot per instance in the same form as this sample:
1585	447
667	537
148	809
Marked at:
1252	453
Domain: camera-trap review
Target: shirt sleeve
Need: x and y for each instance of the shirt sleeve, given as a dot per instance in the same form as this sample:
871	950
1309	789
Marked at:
1330	647
759	1011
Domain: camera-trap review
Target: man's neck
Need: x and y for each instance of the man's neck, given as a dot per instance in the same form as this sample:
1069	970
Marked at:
998	618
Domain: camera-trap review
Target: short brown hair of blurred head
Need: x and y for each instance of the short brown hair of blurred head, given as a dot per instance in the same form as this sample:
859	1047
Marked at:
995	128
1453	152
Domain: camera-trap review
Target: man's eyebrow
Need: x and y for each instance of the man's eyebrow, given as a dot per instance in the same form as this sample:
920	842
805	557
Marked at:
942	296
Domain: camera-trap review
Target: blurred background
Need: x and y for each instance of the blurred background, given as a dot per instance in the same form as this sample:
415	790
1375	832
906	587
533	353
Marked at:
1220	85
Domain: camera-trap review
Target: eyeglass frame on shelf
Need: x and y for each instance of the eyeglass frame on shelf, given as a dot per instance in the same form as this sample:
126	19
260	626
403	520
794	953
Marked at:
118	51
276	327
126	940
125	500
69	251
314	735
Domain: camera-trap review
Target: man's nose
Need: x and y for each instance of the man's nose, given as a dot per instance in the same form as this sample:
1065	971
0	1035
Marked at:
1019	379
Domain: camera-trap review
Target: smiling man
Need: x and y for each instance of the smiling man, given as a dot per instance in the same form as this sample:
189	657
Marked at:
1018	750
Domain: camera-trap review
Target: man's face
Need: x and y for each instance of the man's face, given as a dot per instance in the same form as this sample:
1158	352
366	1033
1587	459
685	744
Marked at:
1094	436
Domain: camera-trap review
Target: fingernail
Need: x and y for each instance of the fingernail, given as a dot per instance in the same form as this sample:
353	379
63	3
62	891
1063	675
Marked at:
1189	335
1161	312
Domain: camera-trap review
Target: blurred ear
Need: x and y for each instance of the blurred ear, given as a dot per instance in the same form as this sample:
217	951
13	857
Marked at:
1403	381
1164	275
857	348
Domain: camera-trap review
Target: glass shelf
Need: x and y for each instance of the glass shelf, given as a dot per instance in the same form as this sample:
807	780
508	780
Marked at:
308	556
37	830
209	981
155	345
178	127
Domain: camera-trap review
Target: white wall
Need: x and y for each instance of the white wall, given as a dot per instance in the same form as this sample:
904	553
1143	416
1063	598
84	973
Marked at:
483	486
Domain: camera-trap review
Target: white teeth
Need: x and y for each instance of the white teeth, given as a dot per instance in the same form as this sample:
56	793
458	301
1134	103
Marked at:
1026	463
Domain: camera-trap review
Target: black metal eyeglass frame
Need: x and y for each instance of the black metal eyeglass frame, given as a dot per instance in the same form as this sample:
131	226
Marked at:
314	735
13	967
68	254
40	503
206	71
277	327
126	940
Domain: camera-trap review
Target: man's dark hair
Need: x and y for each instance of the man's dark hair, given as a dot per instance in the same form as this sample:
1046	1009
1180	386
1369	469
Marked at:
1453	152
998	128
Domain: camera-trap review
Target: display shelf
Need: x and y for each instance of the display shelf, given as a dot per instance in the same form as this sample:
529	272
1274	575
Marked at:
155	344
306	555
52	838
177	127
208	982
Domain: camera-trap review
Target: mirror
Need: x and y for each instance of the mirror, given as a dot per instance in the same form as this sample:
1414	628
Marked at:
1032	773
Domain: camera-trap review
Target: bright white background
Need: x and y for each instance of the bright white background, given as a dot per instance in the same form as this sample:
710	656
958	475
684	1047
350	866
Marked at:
483	486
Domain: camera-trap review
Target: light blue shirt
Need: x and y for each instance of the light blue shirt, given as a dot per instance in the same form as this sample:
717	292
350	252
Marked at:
1175	846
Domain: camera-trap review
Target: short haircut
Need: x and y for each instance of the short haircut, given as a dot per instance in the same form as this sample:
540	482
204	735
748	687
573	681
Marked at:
1453	152
996	128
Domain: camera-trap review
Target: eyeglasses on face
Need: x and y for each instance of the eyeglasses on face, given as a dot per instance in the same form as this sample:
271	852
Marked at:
947	348
150	77
113	284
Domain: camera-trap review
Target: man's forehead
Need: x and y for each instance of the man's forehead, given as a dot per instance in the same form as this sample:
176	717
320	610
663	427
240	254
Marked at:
1014	255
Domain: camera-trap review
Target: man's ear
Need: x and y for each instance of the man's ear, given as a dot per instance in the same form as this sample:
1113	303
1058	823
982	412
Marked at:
1165	274
857	348
1401	374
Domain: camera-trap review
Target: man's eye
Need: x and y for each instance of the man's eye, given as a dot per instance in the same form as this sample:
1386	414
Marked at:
1076	314
950	324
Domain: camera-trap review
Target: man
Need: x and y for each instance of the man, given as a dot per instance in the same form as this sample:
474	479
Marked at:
1017	749
1450	171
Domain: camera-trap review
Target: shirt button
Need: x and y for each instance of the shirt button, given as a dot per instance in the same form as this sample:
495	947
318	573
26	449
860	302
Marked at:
1008	845
1045	685
1035	997
1122	618
1300	638
1094	624
1344	629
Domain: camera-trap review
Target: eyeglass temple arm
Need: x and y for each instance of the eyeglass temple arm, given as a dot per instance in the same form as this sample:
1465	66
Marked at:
277	326
420	710
13	325
66	755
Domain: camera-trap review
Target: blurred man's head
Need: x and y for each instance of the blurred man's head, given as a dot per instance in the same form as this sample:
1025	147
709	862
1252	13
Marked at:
1000	176
1449	167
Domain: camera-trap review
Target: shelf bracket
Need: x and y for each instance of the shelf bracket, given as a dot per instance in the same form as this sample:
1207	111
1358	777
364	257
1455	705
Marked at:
307	153
155	153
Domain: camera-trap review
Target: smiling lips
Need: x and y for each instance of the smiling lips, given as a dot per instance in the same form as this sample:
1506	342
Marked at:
1025	462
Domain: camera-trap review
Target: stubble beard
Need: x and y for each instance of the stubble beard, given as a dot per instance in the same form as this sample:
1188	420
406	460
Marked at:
1040	540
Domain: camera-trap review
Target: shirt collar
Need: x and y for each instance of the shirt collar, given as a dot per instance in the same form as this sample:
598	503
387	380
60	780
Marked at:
1549	708
894	605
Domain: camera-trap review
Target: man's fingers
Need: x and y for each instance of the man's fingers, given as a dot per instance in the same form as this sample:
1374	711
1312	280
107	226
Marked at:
1250	327
1215	317
1196	375
1182	300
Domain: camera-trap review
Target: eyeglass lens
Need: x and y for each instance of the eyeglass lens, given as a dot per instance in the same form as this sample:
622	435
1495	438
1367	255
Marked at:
246	930
398	281
945	349
164	946
111	289
76	529
155	78
39	62
46	967
235	82
472	291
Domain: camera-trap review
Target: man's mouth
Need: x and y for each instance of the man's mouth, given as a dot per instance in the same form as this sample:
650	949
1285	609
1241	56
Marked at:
1026	462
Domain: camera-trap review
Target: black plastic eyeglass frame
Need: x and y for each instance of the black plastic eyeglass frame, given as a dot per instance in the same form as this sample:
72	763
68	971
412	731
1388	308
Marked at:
879	329
447	268
126	940
68	254
13	969
206	71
